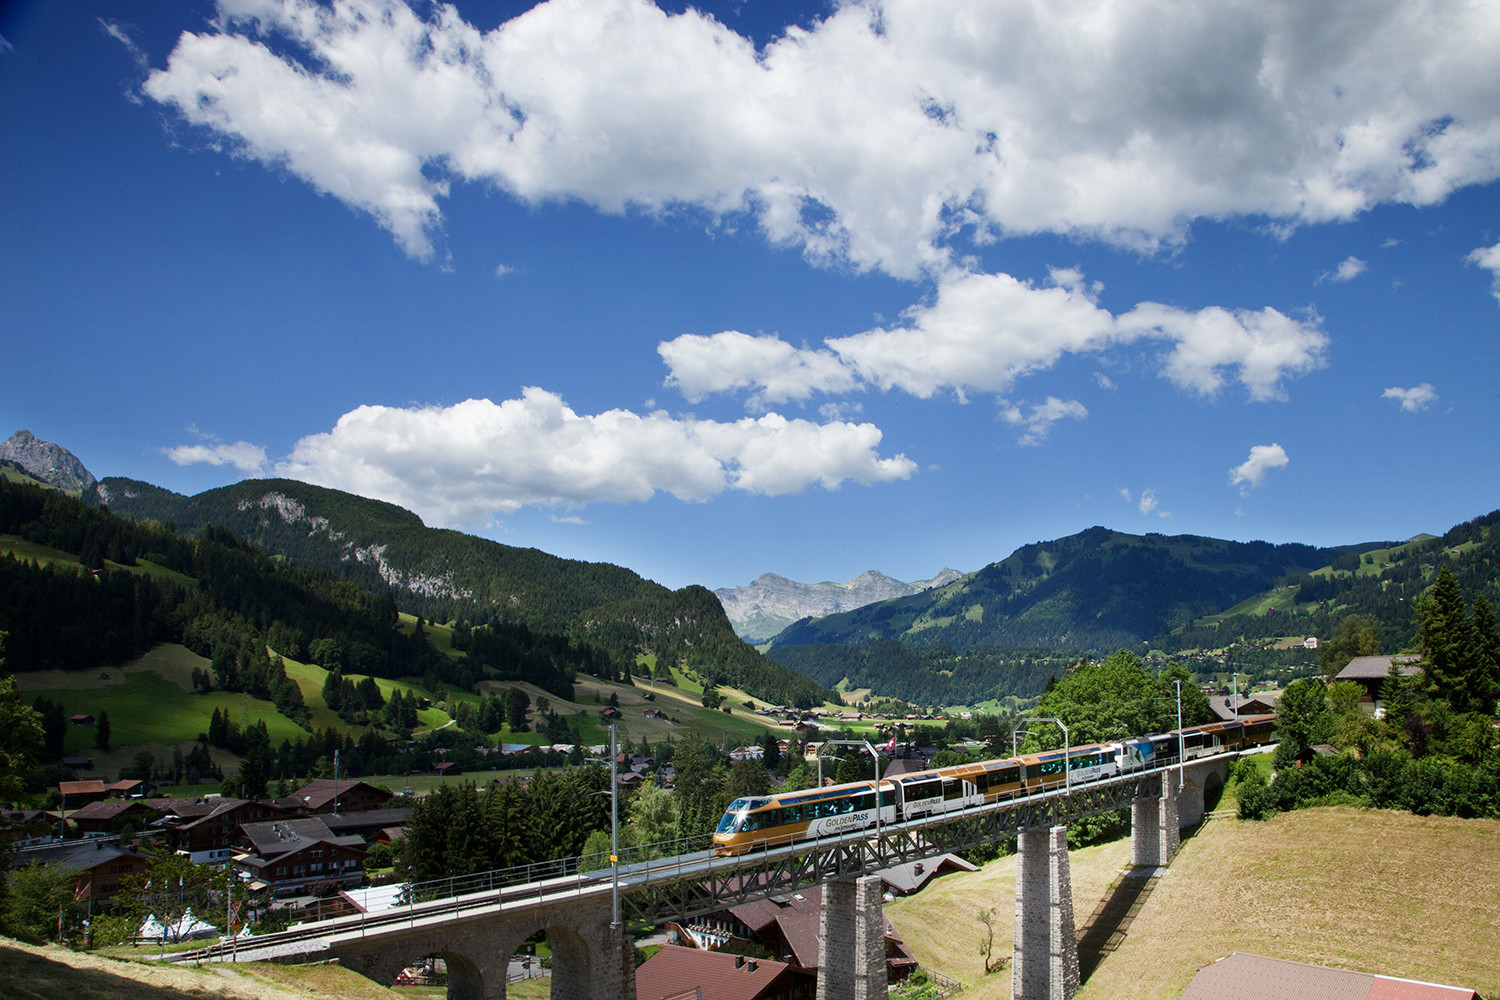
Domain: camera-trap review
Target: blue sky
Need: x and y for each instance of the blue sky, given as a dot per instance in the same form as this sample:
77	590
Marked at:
807	288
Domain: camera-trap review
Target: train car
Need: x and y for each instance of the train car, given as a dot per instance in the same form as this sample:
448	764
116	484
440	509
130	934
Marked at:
926	793
1141	753
771	820
1258	730
782	818
1090	762
1209	739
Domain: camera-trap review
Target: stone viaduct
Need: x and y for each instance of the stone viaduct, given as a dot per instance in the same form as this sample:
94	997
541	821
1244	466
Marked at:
592	959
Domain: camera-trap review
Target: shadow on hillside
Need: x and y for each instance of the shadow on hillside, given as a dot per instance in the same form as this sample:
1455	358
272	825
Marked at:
29	976
1111	919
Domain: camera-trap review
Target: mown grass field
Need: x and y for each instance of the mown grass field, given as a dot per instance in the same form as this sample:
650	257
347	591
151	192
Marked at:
1367	890
150	701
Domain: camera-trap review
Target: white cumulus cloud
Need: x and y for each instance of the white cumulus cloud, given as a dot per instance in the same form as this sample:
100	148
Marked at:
1488	258
776	371
1349	268
465	463
1413	400
242	455
984	331
881	137
1252	472
1148	501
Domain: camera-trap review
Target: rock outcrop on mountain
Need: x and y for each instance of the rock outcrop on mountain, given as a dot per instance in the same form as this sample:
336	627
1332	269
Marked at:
763	608
51	463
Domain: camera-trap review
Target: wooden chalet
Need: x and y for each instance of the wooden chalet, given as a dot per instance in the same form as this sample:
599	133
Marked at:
292	855
324	795
205	829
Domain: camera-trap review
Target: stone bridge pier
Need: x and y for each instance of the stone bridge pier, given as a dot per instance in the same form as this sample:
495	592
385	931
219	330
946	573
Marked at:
590	960
851	940
1044	962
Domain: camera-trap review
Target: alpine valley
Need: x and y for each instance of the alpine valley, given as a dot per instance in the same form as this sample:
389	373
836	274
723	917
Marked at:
1002	631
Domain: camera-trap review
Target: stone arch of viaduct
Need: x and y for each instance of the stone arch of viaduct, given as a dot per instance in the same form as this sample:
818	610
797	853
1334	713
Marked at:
589	959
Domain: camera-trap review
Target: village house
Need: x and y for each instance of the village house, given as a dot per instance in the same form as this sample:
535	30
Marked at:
99	819
130	788
96	868
787	925
1370	672
295	854
325	795
205	829
370	824
81	793
680	972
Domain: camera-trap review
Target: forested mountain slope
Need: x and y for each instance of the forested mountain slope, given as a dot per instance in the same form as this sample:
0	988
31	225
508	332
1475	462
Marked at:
1382	584
448	575
1096	590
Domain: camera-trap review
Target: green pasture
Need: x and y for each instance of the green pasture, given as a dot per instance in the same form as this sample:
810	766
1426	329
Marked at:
439	636
150	708
45	555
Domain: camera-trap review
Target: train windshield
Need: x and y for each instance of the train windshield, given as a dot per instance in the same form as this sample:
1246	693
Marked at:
734	817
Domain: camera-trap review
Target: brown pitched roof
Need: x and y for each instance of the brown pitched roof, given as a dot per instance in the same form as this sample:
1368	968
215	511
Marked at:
91	786
1254	977
1366	668
676	971
107	809
797	913
320	791
913	875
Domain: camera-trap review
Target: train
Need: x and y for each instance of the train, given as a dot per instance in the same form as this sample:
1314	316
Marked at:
787	817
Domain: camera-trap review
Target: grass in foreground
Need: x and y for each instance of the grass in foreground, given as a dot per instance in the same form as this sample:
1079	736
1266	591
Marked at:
1367	890
53	973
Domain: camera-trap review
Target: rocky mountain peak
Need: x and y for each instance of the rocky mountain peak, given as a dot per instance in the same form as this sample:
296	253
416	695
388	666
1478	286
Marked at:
51	463
761	609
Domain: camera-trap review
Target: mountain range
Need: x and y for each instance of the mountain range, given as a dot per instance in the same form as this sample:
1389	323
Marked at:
1089	592
765	607
1094	590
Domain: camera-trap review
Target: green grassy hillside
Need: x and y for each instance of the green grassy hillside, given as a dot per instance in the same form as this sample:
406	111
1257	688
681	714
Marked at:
1367	890
450	576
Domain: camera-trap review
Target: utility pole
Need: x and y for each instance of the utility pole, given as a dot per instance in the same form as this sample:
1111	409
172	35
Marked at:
1180	752
614	831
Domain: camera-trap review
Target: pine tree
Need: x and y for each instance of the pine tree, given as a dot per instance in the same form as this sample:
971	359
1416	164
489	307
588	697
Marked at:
1450	646
101	732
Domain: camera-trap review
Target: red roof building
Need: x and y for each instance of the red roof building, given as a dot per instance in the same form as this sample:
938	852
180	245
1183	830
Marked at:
678	972
787	925
78	793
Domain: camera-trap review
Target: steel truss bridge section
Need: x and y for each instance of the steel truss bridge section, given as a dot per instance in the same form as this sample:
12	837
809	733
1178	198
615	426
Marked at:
667	891
693	884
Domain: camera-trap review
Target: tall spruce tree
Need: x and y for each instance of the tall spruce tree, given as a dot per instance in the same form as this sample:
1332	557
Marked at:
1451	647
